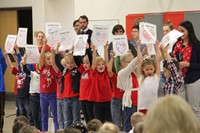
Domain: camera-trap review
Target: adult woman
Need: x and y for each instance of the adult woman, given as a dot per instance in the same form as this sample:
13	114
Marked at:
187	52
40	36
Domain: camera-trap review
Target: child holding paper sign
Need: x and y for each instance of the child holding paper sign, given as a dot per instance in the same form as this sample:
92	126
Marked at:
47	89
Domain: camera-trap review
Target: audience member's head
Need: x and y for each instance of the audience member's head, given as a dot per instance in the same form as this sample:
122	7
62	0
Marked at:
78	125
17	126
72	130
136	117
118	30
110	127
27	129
94	125
60	131
171	114
138	127
21	118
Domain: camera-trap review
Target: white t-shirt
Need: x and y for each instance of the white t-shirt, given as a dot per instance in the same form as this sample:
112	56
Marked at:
35	82
148	91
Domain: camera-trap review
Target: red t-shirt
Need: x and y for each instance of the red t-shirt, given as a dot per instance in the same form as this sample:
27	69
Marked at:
85	83
101	90
48	48
68	92
134	95
59	95
14	72
117	93
47	79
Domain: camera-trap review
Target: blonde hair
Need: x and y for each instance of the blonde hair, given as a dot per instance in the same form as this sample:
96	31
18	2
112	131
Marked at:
110	127
123	59
69	56
86	59
39	32
136	117
48	53
171	114
94	125
169	24
99	59
147	61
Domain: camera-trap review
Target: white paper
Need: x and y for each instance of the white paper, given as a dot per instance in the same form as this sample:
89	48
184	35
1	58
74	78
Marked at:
66	40
151	49
80	45
54	38
100	34
10	42
170	37
147	33
120	44
22	37
32	53
51	26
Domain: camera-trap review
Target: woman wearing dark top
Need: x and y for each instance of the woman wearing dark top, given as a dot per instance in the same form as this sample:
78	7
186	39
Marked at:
187	52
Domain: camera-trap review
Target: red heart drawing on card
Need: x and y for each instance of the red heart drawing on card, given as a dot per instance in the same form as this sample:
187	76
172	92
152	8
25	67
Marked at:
33	56
100	36
147	36
121	47
65	40
9	45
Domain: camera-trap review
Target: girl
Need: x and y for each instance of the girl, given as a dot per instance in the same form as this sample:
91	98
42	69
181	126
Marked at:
101	89
148	73
47	89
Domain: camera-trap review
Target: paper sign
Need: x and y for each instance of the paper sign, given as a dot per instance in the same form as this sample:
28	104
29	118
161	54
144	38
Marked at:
170	37
32	53
120	44
147	33
54	38
22	37
10	42
80	45
151	49
100	35
51	26
66	40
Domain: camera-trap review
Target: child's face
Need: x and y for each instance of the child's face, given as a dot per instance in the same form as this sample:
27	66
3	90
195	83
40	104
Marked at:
100	66
149	70
167	73
86	64
47	60
70	64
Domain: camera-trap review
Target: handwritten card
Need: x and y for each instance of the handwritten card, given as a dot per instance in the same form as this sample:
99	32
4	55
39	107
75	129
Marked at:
100	34
147	33
170	37
66	40
120	44
10	42
22	37
32	53
51	26
80	45
54	38
151	49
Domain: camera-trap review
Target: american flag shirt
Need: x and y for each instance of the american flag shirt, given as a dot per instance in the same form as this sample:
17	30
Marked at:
174	83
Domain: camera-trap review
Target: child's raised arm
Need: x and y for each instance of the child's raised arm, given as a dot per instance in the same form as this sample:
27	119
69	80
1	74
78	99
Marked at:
157	58
53	60
19	57
139	55
106	54
25	69
8	62
110	64
41	62
94	54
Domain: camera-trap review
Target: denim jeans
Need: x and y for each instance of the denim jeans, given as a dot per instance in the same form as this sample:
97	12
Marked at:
72	108
127	112
102	111
116	111
24	107
36	111
47	99
60	113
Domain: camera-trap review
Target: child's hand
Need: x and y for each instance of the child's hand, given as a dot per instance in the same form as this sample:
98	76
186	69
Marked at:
144	51
106	45
52	49
112	54
72	49
157	43
16	48
57	48
24	58
87	46
138	43
93	47
44	40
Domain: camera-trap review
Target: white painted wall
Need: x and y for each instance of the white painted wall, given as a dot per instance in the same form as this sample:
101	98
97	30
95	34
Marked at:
65	11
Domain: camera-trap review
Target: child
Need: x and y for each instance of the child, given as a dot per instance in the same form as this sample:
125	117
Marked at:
101	89
174	81
34	94
135	118
127	81
85	84
47	89
70	81
3	67
117	94
148	73
93	125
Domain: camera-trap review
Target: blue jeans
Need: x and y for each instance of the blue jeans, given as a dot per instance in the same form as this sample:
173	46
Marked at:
72	108
24	107
47	99
116	112
127	112
36	111
61	113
